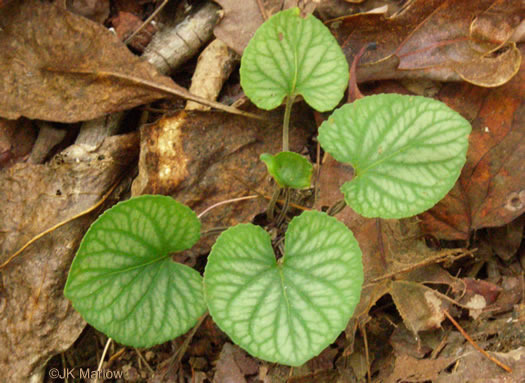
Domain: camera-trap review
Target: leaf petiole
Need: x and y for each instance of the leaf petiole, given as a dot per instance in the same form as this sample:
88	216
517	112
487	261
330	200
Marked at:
286	122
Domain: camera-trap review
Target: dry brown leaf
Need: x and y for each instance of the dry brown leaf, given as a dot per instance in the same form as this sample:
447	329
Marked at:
240	21
420	307
242	18
506	240
36	320
42	43
233	365
96	10
498	22
491	70
473	367
491	189
440	40
410	369
58	66
16	141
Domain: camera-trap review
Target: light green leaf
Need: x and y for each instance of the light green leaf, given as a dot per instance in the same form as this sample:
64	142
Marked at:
123	281
289	169
407	152
285	311
291	55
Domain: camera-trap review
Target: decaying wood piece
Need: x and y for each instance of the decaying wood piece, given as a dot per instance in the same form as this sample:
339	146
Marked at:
93	132
203	158
48	138
215	65
173	45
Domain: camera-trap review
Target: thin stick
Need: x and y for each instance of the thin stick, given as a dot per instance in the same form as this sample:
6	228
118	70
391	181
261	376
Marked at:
362	327
146	22
475	345
62	357
99	369
36	238
226	202
116	355
284	208
170	90
317	172
182	349
144	361
270	210
294	205
442	257
262	9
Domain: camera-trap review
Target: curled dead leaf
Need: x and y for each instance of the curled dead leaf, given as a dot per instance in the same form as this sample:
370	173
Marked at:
493	69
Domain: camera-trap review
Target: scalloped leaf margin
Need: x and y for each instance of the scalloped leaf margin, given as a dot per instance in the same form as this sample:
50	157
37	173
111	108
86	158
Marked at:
123	281
291	55
407	152
285	310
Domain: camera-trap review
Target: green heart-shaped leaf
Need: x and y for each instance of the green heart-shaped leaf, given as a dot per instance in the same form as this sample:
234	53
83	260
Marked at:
123	280
289	169
291	55
407	152
285	311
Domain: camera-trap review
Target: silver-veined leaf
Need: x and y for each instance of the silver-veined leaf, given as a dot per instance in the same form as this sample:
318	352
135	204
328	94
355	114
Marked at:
285	310
407	152
291	55
123	281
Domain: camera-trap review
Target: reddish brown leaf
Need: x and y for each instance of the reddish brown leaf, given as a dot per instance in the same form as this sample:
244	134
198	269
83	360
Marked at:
491	189
126	23
16	141
487	290
241	20
506	240
436	39
43	49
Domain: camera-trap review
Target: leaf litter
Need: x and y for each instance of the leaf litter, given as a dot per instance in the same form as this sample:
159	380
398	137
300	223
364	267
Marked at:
413	272
62	67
